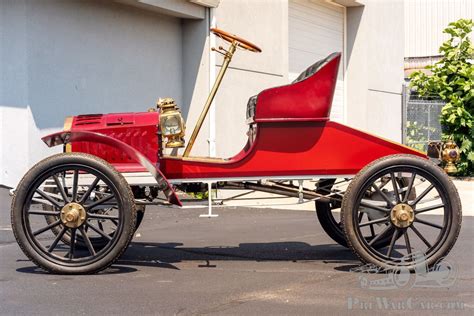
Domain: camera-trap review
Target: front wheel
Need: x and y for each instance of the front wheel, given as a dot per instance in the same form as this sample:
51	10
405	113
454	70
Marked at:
80	191
423	228
97	241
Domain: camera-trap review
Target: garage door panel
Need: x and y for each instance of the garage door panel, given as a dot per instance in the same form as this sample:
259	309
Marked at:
316	6
304	59
329	26
319	47
315	30
317	34
337	112
322	20
313	14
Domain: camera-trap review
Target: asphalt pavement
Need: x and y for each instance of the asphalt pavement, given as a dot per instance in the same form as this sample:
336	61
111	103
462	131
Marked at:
246	261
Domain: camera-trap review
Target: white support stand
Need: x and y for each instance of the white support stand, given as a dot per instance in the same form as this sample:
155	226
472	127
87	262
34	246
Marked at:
300	191
209	210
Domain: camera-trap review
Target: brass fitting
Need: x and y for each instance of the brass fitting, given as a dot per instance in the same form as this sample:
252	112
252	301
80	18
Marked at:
450	155
171	123
166	103
402	215
73	215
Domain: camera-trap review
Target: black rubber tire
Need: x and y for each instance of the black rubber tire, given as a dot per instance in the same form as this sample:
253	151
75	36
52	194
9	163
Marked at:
125	197
329	224
326	217
140	215
363	177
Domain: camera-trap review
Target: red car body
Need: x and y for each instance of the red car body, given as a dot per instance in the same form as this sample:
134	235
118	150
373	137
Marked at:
294	138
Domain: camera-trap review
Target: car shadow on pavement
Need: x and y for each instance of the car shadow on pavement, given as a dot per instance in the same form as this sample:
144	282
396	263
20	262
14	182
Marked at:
114	269
164	255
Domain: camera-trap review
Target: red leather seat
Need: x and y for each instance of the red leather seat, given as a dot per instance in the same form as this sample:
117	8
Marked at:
308	98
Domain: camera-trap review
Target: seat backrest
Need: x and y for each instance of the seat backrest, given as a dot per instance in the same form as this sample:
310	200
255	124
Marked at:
308	98
311	70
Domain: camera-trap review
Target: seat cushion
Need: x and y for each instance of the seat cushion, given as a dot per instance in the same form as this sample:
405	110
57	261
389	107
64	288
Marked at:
251	106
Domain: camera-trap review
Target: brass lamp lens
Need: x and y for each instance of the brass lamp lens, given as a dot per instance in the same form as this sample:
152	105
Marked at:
171	126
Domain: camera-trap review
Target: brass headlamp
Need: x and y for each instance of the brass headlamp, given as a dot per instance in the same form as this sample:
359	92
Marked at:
450	155
171	123
446	152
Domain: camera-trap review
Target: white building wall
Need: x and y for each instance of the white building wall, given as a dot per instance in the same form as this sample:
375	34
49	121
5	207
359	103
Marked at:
425	21
196	53
315	30
265	23
374	73
63	58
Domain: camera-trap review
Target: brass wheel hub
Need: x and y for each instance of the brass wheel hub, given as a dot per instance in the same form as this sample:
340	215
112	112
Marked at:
402	215
73	215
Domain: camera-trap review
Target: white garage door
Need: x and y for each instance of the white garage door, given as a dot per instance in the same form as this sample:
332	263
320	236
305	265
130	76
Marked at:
315	30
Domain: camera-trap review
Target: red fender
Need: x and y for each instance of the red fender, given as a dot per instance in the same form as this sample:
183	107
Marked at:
84	136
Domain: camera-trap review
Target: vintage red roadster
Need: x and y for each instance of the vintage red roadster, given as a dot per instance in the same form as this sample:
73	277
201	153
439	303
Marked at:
76	212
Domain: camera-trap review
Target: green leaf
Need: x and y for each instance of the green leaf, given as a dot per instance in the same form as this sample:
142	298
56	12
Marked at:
470	157
452	79
466	145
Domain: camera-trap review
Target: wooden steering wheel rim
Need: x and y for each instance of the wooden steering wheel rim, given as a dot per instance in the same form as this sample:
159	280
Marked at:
240	41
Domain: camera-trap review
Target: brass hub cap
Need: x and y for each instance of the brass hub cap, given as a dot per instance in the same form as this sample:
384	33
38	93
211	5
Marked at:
402	215
73	215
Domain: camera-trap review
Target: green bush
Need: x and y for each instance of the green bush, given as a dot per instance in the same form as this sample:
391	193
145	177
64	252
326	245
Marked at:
452	79
416	135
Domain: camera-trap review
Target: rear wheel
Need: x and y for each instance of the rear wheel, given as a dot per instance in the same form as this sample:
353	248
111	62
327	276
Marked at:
140	215
89	191
329	213
423	229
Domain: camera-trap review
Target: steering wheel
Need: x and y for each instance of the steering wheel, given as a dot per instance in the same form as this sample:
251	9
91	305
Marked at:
243	43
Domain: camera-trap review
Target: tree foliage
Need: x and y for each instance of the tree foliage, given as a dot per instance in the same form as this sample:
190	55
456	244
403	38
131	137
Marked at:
452	79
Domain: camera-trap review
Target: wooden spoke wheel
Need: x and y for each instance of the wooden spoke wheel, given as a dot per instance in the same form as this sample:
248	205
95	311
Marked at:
329	213
73	213
103	226
423	229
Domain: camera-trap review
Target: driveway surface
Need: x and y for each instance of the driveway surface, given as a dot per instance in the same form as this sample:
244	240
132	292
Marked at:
246	261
